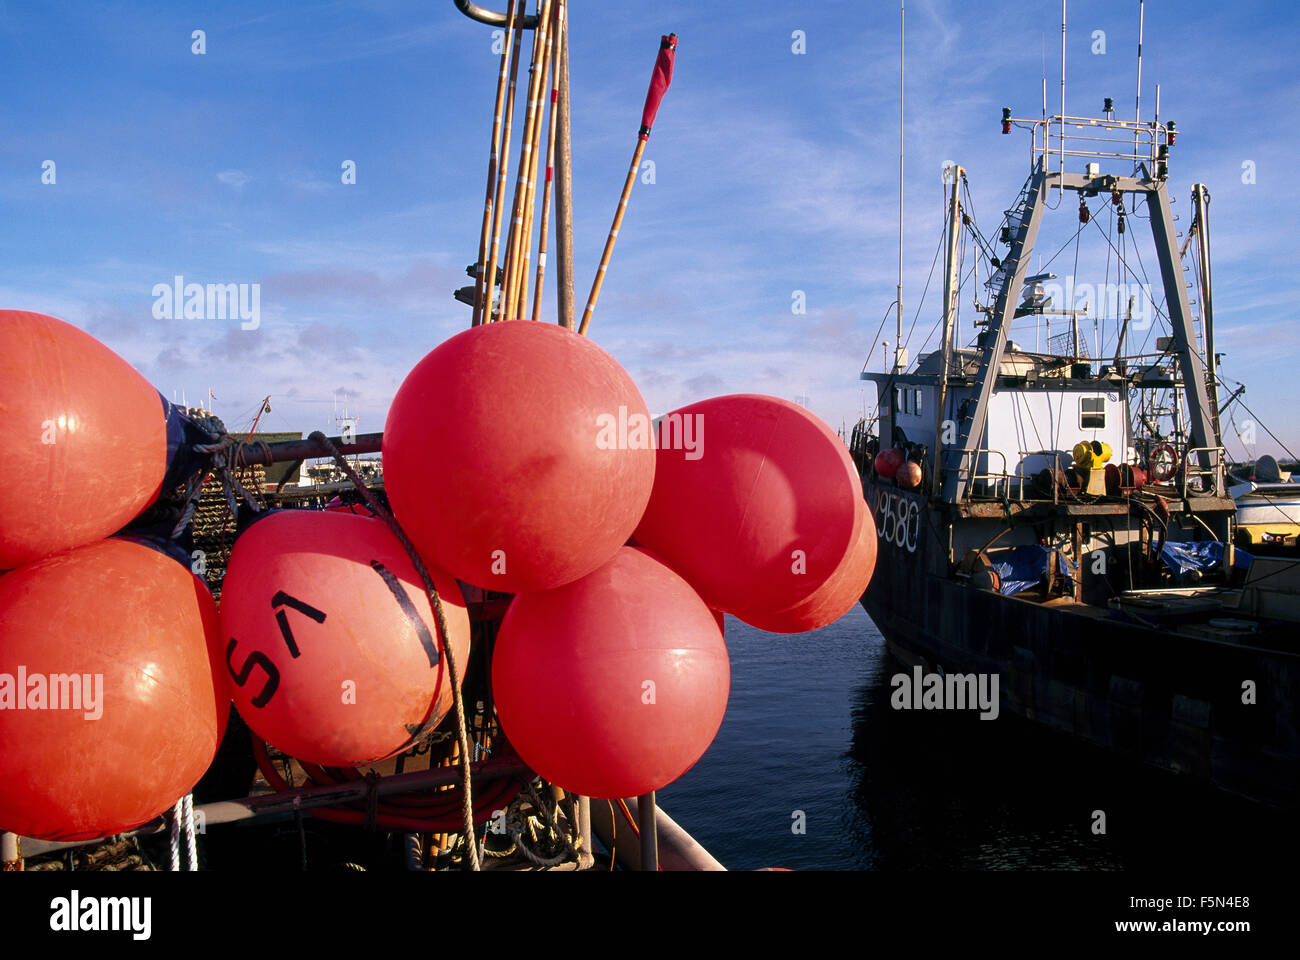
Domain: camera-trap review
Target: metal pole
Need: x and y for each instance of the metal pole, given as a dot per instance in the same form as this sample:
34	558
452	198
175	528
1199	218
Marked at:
586	857
10	857
1201	202
284	451
1062	189
564	191
646	823
287	802
950	283
1137	99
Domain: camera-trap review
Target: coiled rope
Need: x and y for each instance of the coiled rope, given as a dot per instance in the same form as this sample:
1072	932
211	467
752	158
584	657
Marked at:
467	803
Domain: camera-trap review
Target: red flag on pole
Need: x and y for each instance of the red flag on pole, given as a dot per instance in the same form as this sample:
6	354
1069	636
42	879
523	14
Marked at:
659	82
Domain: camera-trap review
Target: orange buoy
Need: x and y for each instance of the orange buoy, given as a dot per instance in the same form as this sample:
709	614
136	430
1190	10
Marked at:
330	640
518	456
614	685
762	511
113	698
888	461
86	439
908	475
832	599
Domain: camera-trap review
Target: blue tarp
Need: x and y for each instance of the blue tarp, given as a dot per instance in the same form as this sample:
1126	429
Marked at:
1020	568
1202	556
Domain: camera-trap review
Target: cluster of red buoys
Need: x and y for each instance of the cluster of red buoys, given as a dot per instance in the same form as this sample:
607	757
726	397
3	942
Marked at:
518	457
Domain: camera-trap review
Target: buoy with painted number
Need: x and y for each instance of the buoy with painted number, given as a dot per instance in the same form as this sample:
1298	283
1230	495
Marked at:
113	698
518	456
614	685
85	439
330	641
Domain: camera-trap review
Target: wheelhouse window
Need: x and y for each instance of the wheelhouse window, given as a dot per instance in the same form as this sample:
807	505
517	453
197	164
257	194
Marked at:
916	405
1092	413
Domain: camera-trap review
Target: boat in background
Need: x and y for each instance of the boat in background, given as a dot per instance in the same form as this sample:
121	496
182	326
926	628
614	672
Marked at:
1268	507
1041	524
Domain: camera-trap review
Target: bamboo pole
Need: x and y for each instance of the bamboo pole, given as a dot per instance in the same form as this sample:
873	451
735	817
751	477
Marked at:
659	82
520	291
525	163
505	163
564	193
483	286
558	33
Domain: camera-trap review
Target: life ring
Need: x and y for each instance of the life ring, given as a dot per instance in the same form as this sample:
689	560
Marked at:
1162	462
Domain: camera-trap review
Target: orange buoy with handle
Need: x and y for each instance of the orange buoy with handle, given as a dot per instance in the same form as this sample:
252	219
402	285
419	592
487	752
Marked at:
614	685
518	456
755	500
86	439
113	698
330	641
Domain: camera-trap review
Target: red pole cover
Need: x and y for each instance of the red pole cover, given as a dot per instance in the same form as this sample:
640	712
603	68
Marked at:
659	82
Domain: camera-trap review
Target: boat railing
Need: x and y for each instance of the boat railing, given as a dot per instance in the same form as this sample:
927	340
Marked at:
1217	458
1095	138
1056	456
989	478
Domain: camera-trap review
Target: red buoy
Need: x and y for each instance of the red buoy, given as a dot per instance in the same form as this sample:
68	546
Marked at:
518	456
112	703
908	475
85	439
888	461
761	511
615	685
330	640
832	599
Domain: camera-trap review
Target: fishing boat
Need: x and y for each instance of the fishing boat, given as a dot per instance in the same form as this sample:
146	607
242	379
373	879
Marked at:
1057	524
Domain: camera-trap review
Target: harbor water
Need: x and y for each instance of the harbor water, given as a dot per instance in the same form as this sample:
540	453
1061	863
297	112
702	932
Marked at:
814	770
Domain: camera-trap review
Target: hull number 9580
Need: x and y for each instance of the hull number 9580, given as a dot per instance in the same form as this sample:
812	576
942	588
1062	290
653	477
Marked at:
898	519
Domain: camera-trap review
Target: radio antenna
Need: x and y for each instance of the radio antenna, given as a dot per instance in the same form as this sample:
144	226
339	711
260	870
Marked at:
1062	88
898	340
1137	100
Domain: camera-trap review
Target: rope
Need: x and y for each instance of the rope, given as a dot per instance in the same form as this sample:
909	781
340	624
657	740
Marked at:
467	803
182	823
187	824
175	837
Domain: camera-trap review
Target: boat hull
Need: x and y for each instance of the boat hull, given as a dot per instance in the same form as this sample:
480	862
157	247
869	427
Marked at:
1176	702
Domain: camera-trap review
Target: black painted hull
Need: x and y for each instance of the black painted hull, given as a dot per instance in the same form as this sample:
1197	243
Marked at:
1171	701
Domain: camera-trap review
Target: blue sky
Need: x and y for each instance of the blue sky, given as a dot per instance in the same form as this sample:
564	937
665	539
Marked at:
775	172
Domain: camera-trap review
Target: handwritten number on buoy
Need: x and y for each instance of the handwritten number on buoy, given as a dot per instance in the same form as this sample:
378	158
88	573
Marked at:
408	608
255	659
283	599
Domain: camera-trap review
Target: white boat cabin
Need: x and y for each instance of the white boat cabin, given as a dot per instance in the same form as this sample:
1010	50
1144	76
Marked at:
1040	408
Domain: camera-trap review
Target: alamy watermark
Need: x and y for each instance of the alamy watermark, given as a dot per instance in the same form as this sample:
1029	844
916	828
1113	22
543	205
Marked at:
636	431
57	691
1131	301
208	301
937	691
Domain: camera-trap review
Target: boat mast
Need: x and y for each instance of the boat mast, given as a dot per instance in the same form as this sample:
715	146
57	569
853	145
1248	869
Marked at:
950	284
898	336
1201	222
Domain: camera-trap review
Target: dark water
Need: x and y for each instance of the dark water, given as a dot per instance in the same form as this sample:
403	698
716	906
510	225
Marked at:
809	728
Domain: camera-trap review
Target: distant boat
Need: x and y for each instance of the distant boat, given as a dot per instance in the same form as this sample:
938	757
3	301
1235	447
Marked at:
1268	507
